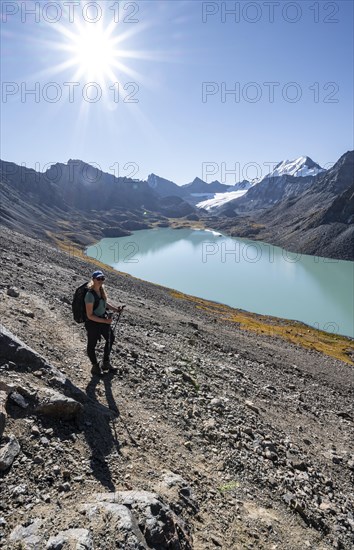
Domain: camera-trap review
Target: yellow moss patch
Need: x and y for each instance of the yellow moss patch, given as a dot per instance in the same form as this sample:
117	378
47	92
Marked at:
73	249
176	223
257	226
332	345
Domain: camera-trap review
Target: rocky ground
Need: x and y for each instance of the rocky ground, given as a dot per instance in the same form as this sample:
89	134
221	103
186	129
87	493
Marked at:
209	436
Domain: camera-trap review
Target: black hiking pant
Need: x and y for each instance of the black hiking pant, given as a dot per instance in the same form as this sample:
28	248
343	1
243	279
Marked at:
94	332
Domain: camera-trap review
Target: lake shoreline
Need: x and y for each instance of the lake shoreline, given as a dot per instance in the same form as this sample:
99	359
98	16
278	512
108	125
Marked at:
144	255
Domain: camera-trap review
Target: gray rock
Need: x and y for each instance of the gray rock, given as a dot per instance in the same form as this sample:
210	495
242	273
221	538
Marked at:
28	313
35	430
15	350
54	404
20	490
12	348
9	452
271	455
216	403
80	539
139	518
170	479
19	400
209	424
13	292
27	536
56	543
158	347
251	406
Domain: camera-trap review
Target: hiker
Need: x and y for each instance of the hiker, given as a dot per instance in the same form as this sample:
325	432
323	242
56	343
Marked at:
98	322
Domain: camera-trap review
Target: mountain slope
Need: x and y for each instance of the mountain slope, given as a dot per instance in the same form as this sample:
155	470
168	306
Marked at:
243	437
164	187
320	220
268	192
85	201
289	178
310	215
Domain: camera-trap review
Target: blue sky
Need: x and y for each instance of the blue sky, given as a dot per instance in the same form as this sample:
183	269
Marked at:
176	59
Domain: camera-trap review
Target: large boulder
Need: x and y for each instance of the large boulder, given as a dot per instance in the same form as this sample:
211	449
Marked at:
79	539
8	453
14	350
54	404
27	537
139	519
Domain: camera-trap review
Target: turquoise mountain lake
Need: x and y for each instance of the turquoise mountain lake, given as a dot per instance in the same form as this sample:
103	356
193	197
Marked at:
244	274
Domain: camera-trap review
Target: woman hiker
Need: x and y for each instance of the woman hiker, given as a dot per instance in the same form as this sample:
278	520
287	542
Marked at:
98	323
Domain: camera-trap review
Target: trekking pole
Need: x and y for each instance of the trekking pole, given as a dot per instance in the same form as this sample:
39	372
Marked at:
117	319
112	329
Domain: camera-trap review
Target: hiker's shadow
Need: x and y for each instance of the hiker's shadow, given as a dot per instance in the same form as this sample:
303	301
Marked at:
113	407
98	426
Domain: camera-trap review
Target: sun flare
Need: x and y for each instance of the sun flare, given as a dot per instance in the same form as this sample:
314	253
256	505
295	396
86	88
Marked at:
94	52
97	52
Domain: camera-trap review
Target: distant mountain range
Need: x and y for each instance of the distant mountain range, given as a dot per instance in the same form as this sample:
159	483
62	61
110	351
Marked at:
310	214
299	205
190	191
80	200
214	195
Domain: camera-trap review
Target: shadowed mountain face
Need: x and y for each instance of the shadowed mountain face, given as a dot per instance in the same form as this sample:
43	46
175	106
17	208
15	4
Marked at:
200	186
268	192
78	185
164	187
34	201
277	191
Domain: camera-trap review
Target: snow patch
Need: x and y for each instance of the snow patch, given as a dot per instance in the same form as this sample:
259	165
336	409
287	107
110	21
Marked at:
300	167
220	198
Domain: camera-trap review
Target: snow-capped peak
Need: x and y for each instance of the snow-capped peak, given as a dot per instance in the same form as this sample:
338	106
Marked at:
302	166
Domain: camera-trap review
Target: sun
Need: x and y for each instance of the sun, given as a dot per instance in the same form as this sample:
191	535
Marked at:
97	52
94	52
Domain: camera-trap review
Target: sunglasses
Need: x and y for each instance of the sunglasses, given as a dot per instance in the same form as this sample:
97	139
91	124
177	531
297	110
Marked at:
100	278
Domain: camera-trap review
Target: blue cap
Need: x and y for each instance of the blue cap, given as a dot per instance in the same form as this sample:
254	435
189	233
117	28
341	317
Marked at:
96	274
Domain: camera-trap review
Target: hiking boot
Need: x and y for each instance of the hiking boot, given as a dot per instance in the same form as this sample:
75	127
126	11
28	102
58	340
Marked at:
95	370
107	367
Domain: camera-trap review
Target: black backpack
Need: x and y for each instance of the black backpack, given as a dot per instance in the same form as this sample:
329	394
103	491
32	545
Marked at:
78	304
